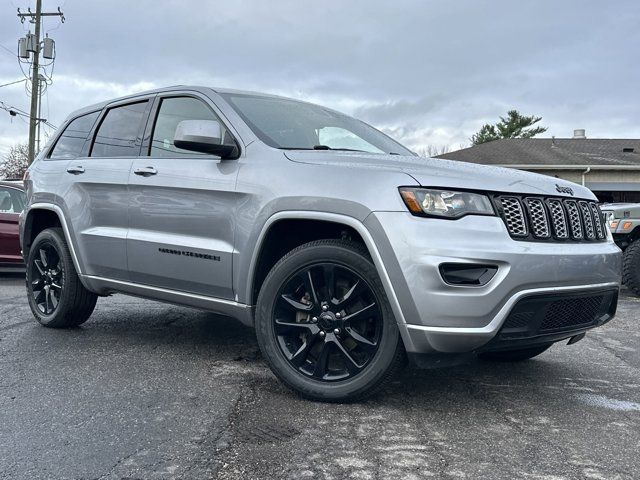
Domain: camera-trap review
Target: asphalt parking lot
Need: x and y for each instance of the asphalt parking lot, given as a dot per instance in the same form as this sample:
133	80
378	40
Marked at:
147	390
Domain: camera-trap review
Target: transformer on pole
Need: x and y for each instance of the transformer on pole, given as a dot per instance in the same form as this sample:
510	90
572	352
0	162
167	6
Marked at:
29	47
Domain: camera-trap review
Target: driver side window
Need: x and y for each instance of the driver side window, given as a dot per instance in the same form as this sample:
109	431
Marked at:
172	111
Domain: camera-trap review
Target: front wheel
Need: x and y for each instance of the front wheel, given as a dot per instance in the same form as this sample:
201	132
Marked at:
56	296
515	355
324	323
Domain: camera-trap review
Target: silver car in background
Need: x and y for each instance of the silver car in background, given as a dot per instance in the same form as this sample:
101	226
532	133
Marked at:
346	251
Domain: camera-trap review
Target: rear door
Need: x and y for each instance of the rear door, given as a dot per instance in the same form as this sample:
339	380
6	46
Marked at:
11	204
95	187
181	206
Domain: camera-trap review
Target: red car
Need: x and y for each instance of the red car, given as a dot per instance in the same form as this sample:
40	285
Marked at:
12	200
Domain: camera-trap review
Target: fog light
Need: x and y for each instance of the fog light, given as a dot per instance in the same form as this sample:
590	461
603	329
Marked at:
470	274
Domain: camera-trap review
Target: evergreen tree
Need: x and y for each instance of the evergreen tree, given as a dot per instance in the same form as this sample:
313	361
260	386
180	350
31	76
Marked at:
515	125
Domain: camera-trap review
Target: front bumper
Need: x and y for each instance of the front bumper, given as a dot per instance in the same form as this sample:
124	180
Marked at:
437	317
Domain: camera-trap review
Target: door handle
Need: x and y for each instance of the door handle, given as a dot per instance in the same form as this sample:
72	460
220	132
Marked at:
145	171
77	170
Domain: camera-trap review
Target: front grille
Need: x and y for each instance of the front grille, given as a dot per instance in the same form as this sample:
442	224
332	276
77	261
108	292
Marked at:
539	218
551	314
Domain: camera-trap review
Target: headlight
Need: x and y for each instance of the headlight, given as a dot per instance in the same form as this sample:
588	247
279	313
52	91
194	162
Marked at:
445	203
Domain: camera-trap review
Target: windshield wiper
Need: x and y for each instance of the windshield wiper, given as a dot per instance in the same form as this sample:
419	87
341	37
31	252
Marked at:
326	147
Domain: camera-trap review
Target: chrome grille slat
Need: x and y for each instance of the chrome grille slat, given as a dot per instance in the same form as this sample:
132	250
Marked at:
561	219
538	218
597	221
574	219
514	216
589	231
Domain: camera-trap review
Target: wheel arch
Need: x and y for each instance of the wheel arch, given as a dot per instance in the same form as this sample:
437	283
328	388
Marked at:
263	258
41	216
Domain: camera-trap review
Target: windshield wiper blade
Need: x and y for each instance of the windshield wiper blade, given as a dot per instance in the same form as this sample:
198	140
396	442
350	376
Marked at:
323	147
326	147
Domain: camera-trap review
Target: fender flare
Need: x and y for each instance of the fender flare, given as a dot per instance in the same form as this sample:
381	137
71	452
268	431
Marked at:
65	228
352	222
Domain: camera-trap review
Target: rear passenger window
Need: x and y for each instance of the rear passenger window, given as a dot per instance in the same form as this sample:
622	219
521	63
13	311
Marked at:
118	132
70	143
172	111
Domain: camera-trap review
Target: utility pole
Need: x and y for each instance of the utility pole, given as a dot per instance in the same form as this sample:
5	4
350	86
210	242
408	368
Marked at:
35	86
32	44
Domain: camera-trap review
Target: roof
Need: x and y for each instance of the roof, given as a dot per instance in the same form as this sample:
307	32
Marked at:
522	152
100	105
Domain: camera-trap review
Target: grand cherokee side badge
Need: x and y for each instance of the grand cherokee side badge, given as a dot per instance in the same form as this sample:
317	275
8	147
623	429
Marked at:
562	189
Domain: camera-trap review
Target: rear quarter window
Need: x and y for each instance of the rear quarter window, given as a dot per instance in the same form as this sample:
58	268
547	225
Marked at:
71	142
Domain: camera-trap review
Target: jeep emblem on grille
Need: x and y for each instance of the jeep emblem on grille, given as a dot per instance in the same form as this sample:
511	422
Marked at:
562	189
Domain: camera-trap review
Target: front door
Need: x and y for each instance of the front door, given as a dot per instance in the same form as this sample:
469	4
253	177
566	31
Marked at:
181	207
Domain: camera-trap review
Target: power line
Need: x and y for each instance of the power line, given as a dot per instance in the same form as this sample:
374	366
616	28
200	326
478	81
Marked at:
12	83
16	112
7	50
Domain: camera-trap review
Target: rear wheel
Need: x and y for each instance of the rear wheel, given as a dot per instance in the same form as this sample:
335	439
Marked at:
324	323
631	267
56	296
515	355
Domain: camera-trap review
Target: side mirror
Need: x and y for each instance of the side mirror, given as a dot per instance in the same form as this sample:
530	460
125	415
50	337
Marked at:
203	136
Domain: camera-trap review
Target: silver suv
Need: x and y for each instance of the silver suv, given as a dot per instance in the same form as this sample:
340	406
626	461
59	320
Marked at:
347	252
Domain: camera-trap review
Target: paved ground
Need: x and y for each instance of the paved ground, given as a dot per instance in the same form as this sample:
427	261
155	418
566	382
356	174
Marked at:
145	390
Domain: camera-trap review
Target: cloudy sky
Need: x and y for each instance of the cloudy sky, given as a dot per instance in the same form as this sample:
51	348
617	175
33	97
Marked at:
429	72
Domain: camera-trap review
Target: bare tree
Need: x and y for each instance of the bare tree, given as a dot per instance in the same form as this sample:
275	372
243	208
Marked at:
15	162
433	150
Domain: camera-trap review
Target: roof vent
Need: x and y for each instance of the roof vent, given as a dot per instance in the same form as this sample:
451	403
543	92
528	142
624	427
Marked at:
579	133
627	150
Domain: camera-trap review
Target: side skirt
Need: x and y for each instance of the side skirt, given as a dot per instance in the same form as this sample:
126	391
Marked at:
105	286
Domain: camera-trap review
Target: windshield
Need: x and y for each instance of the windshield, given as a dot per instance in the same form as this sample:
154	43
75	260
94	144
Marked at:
293	125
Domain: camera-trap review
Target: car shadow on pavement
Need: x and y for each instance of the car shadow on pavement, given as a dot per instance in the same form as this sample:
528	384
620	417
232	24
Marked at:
152	329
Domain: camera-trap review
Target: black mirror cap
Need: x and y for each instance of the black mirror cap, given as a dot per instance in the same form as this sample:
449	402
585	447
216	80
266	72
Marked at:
225	152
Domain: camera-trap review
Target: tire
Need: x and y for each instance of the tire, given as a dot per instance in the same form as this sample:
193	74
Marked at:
56	296
631	267
353	360
515	355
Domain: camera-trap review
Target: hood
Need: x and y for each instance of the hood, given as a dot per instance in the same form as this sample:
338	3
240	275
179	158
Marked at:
435	172
619	207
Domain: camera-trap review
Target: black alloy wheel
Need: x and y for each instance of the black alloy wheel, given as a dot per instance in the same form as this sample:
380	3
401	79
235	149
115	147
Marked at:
57	297
327	321
47	278
324	323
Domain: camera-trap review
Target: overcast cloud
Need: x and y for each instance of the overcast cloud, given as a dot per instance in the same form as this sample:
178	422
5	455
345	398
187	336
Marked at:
427	72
